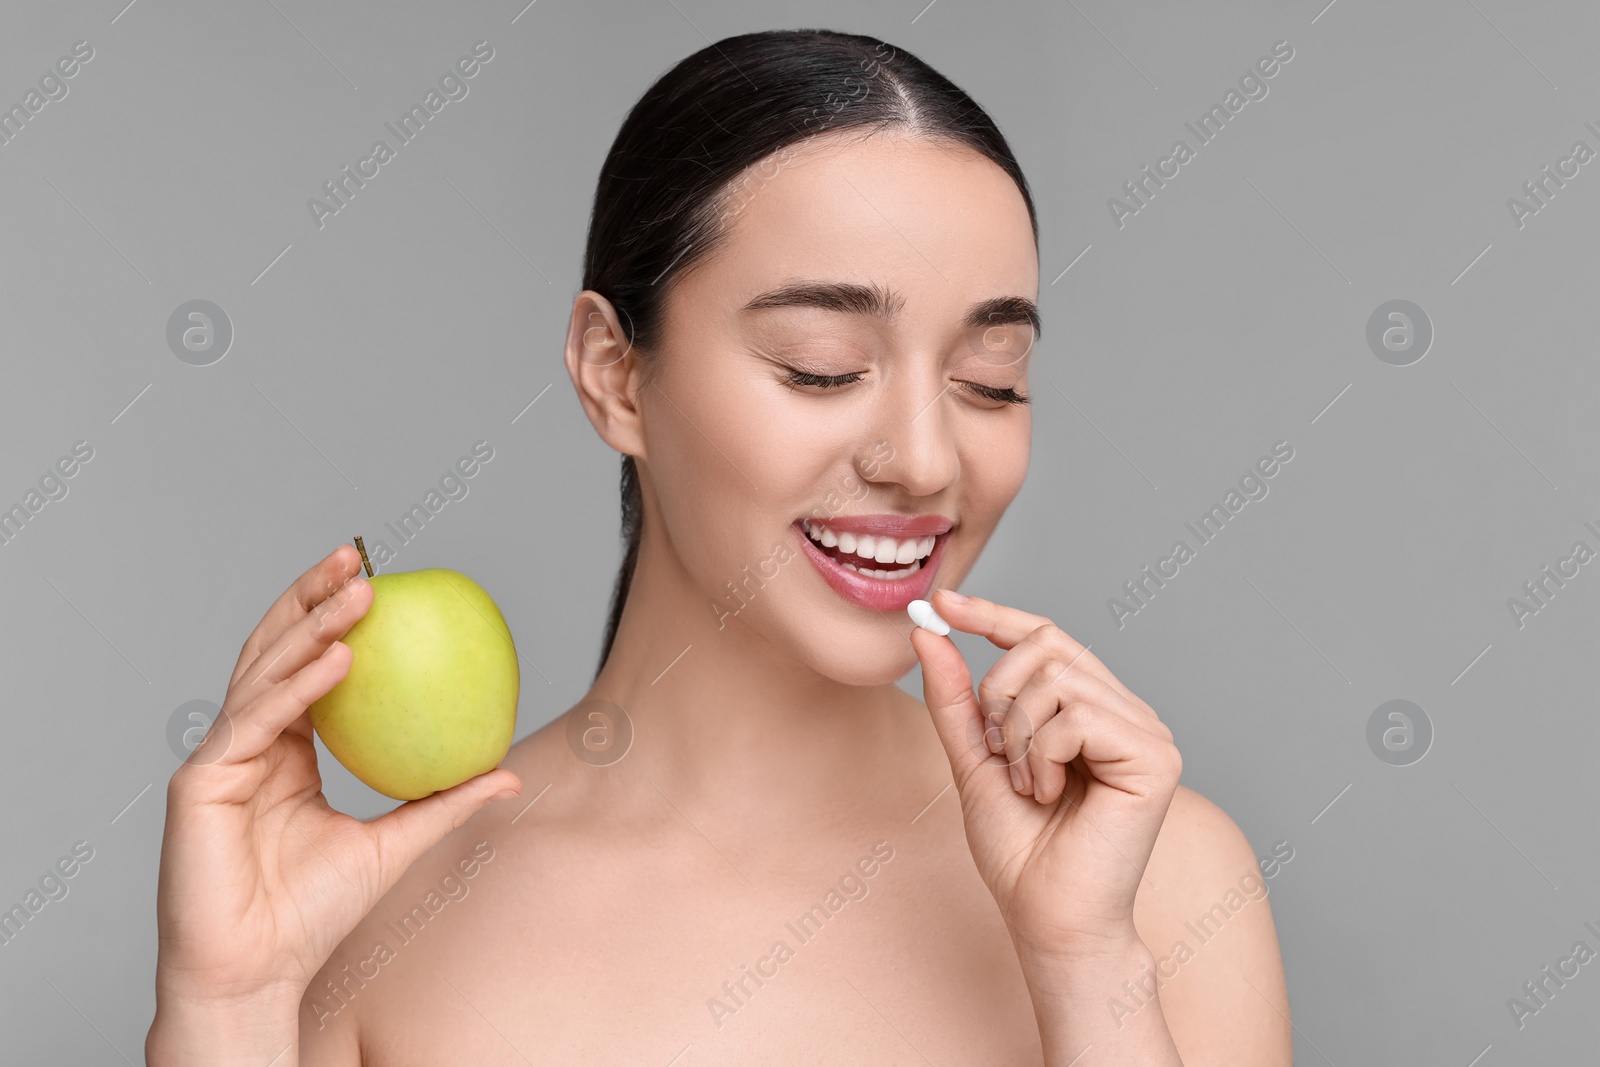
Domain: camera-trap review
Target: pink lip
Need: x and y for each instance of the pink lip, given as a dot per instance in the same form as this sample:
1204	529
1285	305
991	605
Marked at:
880	594
900	527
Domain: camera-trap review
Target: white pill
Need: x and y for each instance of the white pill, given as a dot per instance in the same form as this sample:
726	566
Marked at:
923	615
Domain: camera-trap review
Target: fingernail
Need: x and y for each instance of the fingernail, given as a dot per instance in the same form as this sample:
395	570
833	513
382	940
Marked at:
955	597
1016	778
505	794
923	615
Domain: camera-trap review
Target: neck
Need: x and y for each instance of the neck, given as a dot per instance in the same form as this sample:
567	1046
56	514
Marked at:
723	717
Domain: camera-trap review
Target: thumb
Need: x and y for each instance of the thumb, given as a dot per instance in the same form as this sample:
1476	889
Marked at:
417	825
947	690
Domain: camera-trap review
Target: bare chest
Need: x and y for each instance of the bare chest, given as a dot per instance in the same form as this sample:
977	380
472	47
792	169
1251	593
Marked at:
890	960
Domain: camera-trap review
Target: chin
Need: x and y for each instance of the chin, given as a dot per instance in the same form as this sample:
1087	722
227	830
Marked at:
876	657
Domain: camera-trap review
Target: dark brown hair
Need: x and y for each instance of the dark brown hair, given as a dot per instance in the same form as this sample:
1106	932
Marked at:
676	172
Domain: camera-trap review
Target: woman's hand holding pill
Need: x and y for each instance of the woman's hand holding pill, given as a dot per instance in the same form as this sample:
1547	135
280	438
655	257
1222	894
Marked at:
1064	775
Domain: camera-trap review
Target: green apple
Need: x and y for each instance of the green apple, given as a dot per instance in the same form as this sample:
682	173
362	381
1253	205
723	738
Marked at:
431	697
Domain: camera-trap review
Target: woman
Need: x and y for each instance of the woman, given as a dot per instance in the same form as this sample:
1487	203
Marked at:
807	321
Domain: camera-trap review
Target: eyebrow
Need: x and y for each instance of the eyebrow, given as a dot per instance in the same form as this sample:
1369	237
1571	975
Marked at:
875	300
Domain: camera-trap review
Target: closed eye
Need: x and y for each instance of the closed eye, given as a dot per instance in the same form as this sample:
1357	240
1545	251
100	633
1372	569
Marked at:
800	378
1007	395
823	381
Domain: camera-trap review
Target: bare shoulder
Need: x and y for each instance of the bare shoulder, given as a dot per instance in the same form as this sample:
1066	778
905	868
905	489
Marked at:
370	982
1199	840
1203	913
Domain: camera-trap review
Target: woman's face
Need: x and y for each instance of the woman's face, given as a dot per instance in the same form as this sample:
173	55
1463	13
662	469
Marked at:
905	272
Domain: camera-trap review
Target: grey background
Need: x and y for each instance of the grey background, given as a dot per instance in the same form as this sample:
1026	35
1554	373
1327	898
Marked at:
1229	314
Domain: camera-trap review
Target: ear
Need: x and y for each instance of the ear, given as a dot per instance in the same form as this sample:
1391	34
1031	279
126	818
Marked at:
607	372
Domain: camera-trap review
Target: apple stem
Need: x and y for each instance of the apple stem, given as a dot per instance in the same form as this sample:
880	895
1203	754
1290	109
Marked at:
361	548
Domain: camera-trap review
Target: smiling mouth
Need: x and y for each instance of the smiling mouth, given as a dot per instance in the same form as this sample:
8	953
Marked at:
885	558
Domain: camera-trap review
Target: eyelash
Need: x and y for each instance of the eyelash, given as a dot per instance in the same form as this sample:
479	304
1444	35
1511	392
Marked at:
829	381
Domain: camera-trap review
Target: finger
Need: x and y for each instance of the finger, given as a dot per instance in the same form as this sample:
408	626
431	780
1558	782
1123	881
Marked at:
305	640
1021	713
259	723
1023	659
1027	714
1071	685
1006	627
1042	651
1039	703
1018	723
994	733
1040	698
417	825
1049	777
1060	741
947	690
1021	665
307	591
1114	750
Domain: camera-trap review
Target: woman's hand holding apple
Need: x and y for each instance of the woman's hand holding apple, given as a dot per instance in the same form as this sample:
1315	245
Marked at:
260	878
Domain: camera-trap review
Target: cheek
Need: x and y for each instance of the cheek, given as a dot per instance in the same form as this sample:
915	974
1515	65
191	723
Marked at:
1000	462
722	475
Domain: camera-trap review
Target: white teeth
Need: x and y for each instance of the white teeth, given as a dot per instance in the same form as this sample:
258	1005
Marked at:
907	553
892	576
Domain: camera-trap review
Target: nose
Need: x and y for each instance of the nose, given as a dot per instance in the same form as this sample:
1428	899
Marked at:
921	454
